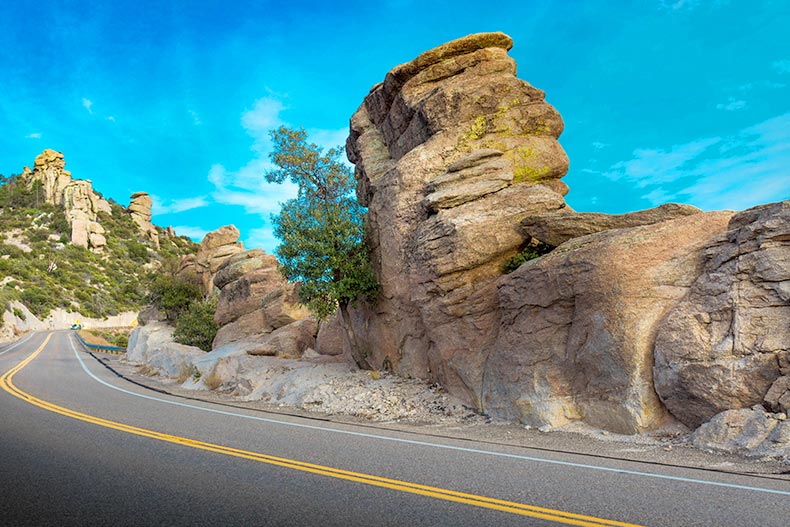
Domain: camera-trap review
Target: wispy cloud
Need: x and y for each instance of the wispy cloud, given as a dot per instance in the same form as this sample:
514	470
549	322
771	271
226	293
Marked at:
677	5
732	105
732	172
196	233
175	206
34	135
782	66
88	105
195	117
599	145
110	118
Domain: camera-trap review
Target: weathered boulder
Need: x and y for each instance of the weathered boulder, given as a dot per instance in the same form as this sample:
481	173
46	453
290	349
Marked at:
452	151
289	341
555	228
778	396
720	348
748	431
577	330
140	210
331	339
254	299
216	247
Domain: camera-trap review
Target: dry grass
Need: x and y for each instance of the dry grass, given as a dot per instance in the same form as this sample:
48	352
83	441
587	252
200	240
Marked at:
92	338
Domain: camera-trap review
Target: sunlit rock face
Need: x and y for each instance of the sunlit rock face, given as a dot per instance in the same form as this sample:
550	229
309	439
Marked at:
79	201
452	151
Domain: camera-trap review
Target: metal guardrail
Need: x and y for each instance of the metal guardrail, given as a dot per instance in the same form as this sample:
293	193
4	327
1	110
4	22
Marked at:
115	350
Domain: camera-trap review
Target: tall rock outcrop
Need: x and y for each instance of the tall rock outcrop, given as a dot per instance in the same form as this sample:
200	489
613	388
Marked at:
216	247
140	209
81	204
631	320
452	151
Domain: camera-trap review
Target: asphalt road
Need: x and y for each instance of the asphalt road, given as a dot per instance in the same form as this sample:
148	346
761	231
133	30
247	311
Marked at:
80	446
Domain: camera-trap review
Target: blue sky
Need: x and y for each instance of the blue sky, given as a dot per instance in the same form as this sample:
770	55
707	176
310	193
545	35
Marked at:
663	100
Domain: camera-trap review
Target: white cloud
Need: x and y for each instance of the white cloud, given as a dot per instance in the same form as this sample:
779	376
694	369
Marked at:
328	138
262	117
262	237
736	172
110	118
195	117
782	66
650	166
732	105
34	135
676	5
196	233
88	105
599	145
175	206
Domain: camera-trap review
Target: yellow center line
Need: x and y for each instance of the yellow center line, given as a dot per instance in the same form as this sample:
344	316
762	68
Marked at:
568	518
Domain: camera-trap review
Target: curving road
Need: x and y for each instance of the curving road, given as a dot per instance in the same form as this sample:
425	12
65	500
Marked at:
80	446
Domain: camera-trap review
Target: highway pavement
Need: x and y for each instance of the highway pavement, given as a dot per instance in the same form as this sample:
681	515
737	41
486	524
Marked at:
81	446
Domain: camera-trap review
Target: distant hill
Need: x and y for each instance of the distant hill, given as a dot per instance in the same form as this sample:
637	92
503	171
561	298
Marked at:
62	245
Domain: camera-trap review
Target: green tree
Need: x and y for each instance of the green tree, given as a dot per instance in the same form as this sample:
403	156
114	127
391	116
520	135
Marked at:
321	231
195	326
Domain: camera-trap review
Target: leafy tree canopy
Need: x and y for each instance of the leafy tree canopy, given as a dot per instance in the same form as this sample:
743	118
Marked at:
321	230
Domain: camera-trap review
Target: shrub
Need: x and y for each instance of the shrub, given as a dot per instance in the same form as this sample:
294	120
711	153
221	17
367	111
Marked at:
532	251
196	326
173	295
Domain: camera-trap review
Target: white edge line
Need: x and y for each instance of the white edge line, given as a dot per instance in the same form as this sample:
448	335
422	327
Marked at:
17	343
424	443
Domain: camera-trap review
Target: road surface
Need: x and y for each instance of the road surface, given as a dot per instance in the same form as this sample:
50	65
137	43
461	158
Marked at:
81	446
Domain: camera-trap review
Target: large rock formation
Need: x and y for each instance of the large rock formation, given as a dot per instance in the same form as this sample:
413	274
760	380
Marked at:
721	347
256	304
140	209
81	204
216	247
459	165
452	151
578	326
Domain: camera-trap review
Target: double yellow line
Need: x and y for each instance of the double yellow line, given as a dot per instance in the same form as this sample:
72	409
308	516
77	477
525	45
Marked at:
6	383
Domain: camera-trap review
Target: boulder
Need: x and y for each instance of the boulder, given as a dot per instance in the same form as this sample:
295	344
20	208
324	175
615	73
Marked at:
555	228
216	247
752	432
49	170
577	330
254	299
290	341
720	348
778	396
242	263
331	339
452	151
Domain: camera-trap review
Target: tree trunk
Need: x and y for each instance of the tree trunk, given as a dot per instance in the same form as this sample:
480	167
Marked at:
357	352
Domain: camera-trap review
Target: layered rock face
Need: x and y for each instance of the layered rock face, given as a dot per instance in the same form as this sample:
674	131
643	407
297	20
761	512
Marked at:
81	204
578	326
140	210
452	151
631	320
257	305
724	345
216	247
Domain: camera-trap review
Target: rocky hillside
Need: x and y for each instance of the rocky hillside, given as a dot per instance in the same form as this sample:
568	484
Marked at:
64	248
